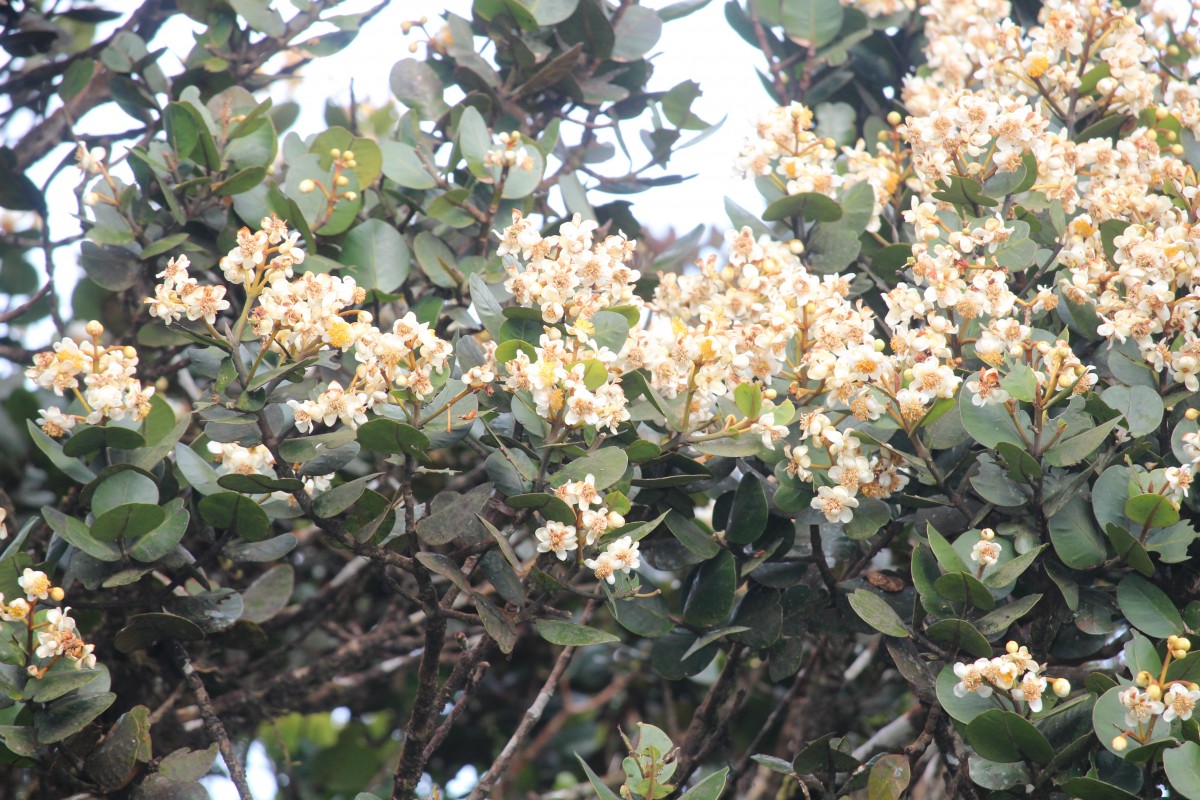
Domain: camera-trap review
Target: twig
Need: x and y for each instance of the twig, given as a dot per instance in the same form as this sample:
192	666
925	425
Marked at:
532	715
212	723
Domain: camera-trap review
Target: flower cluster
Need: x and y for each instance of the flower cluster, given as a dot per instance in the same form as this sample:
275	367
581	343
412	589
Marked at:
234	459
1015	673
592	520
180	295
1151	698
568	275
263	255
510	154
788	150
109	389
56	633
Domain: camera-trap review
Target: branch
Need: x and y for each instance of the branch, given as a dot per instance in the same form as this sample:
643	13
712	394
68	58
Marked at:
212	723
532	715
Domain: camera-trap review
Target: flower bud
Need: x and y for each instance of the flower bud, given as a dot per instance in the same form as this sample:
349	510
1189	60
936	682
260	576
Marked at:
342	180
307	185
987	534
894	118
57	594
1177	654
94	328
1061	687
1119	743
1142	679
1011	647
1154	692
1192	414
335	152
615	520
1183	643
796	247
91	199
351	196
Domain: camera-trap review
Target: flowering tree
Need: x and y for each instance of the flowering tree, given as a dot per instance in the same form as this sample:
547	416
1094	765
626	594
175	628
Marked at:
888	496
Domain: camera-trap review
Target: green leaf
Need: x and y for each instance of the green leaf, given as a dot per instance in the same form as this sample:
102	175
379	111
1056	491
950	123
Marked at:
947	557
126	743
1009	571
389	436
996	622
1141	406
602	791
1005	737
437	260
1182	765
1152	510
813	22
1095	789
958	634
71	467
889	777
963	192
1129	549
336	500
877	613
570	634
128	521
242	181
417	86
376	256
268	594
69	715
229	510
257	483
1077	448
963	588
402	165
1148	608
182	133
1075	538
710	598
989	425
708	789
144	630
76	533
162	540
606	466
496	624
811	206
823	755
748	398
127	486
748	516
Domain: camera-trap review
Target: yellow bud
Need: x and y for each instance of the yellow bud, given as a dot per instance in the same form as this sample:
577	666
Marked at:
1177	654
1142	679
1176	150
1172	49
829	142
1184	643
1119	743
1061	687
879	345
351	196
57	594
307	185
1152	135
348	155
342	180
883	136
987	534
1160	113
894	118
770	394
406	26
1170	136
130	352
796	247
91	199
1011	647
413	47
1192	413
1154	692
94	329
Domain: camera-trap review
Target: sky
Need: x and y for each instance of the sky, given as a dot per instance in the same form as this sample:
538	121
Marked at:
700	47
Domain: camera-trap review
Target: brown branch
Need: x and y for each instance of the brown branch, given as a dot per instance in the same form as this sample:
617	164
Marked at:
212	723
532	715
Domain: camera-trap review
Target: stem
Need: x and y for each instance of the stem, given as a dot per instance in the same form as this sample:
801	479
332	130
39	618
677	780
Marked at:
213	724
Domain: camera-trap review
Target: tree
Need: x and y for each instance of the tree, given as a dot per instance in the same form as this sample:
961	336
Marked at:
889	496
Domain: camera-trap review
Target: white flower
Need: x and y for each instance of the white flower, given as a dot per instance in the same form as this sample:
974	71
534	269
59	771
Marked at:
985	553
1180	702
1030	691
836	503
604	566
1139	708
89	161
771	433
54	423
624	552
971	679
35	584
557	538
